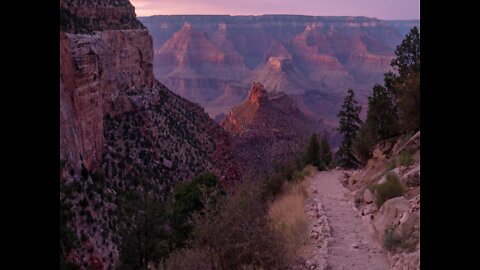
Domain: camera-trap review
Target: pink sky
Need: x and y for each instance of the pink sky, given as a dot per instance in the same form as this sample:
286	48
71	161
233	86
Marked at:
382	9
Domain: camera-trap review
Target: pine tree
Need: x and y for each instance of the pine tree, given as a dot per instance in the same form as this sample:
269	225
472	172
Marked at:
325	151
405	83
382	117
144	241
349	125
363	144
407	54
312	155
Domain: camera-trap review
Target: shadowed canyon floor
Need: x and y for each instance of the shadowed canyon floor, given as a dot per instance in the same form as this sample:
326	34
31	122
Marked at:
339	237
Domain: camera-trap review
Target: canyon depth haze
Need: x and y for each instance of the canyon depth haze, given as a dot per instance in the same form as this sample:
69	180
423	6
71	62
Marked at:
213	60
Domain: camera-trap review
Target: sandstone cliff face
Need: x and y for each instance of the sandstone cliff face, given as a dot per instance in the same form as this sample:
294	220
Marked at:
119	125
398	219
96	71
268	129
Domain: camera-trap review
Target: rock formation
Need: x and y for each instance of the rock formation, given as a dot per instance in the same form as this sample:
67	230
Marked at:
118	125
268	129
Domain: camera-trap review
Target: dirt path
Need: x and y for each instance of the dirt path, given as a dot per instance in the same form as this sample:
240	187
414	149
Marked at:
339	237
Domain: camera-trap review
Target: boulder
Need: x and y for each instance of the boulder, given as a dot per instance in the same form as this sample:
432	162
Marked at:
409	224
389	214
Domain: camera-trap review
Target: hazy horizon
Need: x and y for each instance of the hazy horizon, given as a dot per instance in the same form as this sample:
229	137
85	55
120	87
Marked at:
380	9
275	14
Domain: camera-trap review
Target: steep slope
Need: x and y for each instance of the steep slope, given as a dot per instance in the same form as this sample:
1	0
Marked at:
268	129
121	129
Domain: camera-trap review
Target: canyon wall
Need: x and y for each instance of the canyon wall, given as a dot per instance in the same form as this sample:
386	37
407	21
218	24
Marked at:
120	128
212	60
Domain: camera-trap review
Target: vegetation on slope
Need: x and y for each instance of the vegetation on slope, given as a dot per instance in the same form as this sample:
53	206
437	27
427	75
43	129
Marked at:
391	188
393	108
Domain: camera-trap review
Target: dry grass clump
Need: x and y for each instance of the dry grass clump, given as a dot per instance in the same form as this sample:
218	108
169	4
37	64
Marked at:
288	216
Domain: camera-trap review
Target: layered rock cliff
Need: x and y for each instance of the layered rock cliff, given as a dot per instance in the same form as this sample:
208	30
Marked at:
118	126
96	72
268	129
212	60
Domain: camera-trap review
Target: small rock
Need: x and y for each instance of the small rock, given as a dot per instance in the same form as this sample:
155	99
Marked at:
355	245
368	196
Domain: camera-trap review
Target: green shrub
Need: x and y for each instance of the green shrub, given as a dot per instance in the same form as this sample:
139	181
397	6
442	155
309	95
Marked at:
395	241
312	154
363	143
237	232
298	176
390	189
188	199
391	166
98	177
392	240
272	186
405	159
85	172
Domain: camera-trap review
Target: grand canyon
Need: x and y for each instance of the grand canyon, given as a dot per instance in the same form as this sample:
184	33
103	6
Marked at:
211	141
213	60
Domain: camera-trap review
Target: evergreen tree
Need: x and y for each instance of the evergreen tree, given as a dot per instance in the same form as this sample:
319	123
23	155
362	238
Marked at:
187	200
364	143
407	54
396	107
325	151
144	241
382	117
312	155
405	83
349	125
381	123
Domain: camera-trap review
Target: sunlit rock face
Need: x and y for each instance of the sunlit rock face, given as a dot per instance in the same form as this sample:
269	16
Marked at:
268	129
